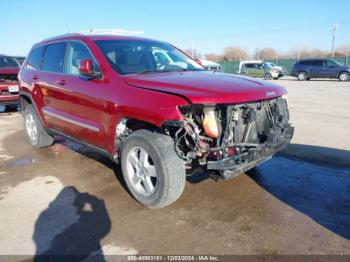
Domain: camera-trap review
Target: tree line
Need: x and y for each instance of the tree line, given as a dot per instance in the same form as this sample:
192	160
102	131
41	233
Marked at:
231	53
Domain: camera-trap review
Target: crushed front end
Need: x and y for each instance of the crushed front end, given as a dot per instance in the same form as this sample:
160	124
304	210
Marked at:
231	139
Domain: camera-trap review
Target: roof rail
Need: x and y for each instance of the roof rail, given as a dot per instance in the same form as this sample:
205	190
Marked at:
113	31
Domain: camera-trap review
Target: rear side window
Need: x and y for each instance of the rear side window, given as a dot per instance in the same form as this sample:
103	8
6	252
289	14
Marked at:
249	65
34	59
317	62
53	59
305	63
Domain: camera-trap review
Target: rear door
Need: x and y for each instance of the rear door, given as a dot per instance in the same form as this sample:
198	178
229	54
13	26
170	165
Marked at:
316	69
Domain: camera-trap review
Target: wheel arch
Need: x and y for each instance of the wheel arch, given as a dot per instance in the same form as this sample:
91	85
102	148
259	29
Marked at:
343	71
123	126
24	99
304	71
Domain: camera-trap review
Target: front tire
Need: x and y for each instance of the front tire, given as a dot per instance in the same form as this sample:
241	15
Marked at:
344	76
302	76
267	76
154	174
35	131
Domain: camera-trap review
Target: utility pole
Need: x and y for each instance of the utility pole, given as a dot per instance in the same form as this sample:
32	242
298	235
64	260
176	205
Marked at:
335	25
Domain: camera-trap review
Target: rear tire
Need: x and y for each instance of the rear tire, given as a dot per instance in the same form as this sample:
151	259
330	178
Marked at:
344	76
36	133
154	174
302	76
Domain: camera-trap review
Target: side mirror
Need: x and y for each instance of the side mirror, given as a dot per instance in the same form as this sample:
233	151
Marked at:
86	68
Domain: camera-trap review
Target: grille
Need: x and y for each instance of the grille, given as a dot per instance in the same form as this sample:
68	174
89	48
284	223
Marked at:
8	78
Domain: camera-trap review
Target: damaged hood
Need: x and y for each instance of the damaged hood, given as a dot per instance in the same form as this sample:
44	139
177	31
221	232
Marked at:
206	87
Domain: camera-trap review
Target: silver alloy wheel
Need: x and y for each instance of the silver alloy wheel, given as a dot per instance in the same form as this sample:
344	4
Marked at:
31	128
141	171
344	77
301	76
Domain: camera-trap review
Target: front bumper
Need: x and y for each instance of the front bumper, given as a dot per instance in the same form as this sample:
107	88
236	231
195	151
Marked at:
277	74
7	97
9	100
233	166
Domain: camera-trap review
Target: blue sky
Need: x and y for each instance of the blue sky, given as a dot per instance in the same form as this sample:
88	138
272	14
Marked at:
211	25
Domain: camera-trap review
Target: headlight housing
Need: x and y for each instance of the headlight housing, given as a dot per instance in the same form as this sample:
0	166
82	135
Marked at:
204	116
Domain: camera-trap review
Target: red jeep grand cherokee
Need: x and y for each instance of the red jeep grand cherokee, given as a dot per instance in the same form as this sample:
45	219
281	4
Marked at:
9	69
149	106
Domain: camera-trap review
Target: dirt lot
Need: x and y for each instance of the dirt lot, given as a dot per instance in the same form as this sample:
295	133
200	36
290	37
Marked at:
68	198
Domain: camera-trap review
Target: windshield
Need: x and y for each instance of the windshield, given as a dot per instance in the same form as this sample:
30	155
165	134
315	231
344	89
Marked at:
270	64
335	62
139	56
6	61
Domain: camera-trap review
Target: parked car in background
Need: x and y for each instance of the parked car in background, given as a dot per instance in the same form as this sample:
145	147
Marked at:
320	68
161	119
211	66
9	69
259	68
19	59
273	65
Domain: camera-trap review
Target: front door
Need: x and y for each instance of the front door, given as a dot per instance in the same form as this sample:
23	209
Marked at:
72	104
330	69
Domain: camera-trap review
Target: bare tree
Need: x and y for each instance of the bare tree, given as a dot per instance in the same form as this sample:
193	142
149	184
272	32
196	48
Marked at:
268	53
293	53
306	53
214	57
196	54
234	53
316	53
256	54
344	49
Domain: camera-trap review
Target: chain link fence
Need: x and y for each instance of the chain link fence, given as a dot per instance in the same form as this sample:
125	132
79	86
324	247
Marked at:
233	66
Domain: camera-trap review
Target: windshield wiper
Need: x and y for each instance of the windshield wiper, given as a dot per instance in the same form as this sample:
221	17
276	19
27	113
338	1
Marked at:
167	71
160	71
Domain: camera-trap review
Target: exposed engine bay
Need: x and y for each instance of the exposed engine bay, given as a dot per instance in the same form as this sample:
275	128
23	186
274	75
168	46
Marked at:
230	139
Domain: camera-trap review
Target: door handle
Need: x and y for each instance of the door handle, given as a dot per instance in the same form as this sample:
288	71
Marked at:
61	82
34	77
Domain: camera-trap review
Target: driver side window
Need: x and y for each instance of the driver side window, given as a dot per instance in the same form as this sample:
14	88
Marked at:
330	63
76	52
